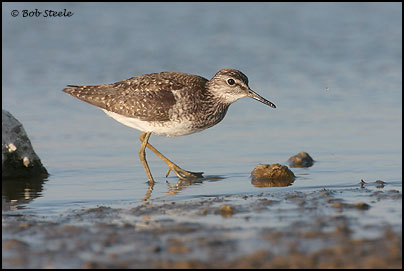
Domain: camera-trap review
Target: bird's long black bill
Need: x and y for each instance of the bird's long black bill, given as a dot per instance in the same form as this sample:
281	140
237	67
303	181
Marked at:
257	97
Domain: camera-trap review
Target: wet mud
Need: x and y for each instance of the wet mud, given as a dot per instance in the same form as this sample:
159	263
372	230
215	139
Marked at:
316	229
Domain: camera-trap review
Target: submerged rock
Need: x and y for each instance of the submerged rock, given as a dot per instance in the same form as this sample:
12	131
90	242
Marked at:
18	157
302	159
272	175
226	210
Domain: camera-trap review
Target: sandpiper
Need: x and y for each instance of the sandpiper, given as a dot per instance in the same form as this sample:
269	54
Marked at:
168	104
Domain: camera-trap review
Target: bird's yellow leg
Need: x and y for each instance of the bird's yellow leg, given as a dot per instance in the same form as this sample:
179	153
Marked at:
144	137
181	173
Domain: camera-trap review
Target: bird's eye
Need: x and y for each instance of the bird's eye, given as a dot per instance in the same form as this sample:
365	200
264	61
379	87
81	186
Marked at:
230	81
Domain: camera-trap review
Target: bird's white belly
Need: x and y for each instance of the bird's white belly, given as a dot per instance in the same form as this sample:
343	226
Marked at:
162	128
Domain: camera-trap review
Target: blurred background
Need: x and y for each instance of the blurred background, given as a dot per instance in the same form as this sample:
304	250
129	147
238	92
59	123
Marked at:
334	71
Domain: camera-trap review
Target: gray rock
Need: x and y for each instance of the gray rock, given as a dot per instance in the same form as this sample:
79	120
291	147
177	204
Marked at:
18	157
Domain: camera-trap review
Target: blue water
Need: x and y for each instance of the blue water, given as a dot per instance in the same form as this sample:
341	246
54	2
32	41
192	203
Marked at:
334	72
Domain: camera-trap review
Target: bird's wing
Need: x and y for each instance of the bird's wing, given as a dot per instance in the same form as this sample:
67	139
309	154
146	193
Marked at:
146	97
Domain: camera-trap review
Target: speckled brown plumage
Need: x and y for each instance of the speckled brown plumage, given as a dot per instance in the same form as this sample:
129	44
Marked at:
146	97
182	103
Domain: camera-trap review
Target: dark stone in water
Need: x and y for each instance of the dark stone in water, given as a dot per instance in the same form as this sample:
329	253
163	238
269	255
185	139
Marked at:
302	159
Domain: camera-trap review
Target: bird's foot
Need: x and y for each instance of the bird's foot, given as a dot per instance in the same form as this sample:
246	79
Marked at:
183	174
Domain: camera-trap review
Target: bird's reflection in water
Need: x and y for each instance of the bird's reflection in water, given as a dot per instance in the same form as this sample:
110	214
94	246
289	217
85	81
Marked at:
148	192
180	185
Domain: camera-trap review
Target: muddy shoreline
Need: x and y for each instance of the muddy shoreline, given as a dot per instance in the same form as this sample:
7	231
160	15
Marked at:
316	229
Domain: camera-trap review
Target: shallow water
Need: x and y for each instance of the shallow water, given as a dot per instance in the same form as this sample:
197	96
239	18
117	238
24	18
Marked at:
332	70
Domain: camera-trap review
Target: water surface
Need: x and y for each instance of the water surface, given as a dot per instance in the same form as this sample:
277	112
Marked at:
334	72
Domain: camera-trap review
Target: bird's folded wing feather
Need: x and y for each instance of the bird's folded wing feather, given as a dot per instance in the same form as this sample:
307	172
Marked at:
147	97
